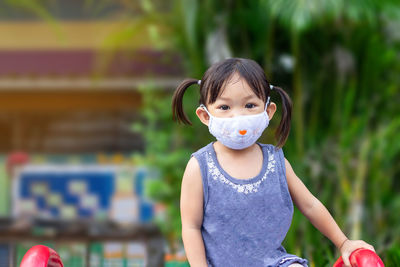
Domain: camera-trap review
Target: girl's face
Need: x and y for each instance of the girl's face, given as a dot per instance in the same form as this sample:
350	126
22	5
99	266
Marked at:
236	99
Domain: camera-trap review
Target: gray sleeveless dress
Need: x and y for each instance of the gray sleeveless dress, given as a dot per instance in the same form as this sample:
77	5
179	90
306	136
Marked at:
246	220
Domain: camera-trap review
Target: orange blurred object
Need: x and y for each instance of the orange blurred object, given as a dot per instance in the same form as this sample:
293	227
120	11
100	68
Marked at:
16	158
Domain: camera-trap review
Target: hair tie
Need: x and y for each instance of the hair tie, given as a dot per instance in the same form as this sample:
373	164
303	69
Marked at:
199	82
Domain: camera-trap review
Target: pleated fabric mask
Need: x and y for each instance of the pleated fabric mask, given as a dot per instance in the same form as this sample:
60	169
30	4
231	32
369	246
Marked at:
238	132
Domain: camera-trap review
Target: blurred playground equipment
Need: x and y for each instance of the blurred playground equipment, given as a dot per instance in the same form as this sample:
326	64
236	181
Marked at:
91	214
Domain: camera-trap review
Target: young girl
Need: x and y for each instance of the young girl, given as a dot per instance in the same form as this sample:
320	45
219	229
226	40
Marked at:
236	196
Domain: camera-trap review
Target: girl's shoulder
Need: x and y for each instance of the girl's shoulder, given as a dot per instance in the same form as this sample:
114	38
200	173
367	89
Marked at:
274	153
270	147
202	150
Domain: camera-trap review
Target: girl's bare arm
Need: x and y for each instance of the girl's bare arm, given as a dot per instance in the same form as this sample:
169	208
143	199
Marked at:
320	217
191	205
312	208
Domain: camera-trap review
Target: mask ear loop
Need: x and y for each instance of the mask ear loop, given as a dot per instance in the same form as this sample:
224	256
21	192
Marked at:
204	107
271	87
266	104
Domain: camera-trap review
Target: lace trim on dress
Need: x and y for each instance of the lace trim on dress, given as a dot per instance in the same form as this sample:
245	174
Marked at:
298	260
241	188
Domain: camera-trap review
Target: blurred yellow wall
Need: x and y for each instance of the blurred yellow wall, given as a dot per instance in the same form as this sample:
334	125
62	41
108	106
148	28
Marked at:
73	34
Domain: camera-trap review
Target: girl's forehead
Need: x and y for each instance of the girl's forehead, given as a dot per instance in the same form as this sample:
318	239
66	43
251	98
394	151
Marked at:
234	78
236	85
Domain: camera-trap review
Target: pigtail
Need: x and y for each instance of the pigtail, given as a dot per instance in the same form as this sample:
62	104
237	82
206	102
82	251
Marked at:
177	101
282	132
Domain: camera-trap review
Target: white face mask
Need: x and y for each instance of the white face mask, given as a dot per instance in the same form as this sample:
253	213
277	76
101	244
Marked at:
238	132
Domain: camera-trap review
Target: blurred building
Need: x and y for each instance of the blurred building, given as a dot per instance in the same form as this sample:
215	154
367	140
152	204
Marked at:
68	86
71	77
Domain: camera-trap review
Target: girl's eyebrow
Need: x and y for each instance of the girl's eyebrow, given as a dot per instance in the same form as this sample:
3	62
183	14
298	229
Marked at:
223	98
250	96
245	98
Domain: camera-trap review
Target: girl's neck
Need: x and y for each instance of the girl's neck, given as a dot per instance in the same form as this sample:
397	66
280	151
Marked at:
221	149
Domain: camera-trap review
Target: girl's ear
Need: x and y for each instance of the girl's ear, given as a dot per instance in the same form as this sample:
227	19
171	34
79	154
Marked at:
271	110
203	116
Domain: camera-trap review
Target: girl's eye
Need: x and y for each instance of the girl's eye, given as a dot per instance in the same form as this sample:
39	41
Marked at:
224	107
250	105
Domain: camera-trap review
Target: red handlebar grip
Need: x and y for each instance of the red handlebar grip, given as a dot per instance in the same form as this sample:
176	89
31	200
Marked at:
41	256
362	258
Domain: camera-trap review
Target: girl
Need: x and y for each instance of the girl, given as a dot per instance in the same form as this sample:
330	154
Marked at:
236	196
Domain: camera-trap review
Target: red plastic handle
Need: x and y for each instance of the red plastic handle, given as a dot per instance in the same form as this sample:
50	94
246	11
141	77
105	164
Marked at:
41	256
362	258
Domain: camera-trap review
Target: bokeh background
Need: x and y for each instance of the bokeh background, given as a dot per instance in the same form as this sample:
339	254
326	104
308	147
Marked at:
85	93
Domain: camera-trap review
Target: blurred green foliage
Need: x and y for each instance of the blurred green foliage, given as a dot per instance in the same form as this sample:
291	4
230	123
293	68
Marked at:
339	61
168	148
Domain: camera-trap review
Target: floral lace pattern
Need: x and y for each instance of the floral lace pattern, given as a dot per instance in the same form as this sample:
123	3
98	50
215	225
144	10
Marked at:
241	188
